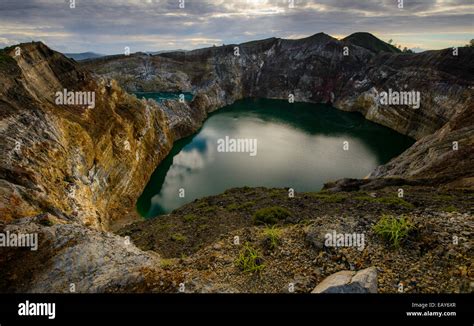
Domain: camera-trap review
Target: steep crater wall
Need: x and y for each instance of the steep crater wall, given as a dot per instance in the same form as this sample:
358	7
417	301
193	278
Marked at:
82	164
315	69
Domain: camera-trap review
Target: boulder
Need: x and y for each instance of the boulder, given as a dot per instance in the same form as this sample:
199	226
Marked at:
73	258
363	281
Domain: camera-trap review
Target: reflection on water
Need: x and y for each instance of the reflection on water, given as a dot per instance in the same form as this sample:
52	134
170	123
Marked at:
300	146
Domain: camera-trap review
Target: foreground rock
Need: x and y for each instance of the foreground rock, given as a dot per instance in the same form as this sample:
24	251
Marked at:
364	281
73	258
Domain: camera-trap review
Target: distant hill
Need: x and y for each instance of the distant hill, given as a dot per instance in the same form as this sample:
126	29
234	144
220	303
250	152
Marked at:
164	51
83	56
370	42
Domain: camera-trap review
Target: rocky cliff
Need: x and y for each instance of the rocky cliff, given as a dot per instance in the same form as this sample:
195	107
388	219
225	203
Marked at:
83	164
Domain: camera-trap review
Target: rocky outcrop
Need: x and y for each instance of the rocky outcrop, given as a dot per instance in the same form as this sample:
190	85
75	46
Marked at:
363	281
446	155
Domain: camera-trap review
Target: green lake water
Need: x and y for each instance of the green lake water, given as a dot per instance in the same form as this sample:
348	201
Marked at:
161	96
299	146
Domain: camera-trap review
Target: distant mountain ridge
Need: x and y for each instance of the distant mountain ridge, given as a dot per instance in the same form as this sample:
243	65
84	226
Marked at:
370	42
83	55
164	51
362	39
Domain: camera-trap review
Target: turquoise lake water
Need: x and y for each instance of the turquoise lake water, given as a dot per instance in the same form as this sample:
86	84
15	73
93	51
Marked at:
161	96
299	145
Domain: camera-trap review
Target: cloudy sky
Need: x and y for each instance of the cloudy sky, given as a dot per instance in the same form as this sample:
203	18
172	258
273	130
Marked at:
107	26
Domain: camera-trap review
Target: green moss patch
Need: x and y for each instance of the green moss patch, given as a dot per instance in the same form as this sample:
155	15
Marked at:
270	215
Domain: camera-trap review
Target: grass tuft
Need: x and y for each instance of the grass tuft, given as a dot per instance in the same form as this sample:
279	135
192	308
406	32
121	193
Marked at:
272	236
249	260
393	229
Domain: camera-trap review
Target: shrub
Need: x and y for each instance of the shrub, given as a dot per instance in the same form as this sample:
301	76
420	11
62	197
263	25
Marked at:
203	227
203	204
275	193
393	229
178	237
249	260
444	197
166	263
163	227
244	206
247	205
232	207
209	209
189	217
449	209
270	215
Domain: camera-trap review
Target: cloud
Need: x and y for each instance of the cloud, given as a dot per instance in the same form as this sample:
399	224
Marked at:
106	26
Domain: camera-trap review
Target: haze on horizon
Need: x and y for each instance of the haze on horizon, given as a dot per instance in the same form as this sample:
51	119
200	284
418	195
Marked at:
108	26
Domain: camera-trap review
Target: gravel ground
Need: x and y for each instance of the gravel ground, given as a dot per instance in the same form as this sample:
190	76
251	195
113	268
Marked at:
198	240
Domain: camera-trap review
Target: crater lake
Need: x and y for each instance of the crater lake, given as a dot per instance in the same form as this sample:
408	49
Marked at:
299	146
